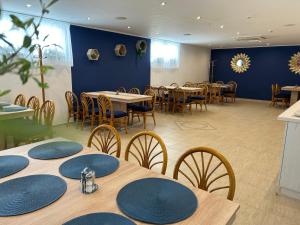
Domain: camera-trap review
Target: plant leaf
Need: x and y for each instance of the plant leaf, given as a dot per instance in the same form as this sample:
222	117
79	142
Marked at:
16	21
27	41
51	3
5	92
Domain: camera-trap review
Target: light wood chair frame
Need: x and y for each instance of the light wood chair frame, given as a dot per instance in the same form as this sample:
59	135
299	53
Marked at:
105	143
203	93
86	102
233	87
181	105
201	175
276	90
121	90
34	103
164	98
215	93
72	99
20	100
144	155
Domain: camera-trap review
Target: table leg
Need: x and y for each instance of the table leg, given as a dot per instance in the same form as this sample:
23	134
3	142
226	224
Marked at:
294	97
119	106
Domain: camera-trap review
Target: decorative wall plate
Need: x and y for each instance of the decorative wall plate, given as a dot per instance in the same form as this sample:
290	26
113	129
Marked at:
240	63
141	47
93	54
294	63
120	50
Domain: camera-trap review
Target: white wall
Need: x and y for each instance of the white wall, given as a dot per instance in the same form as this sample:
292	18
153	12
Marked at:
194	67
59	80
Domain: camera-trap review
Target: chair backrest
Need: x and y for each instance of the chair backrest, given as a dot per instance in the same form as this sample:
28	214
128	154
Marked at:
34	103
215	90
204	88
206	169
72	102
180	95
174	85
20	100
151	103
188	84
148	149
134	91
233	85
163	92
106	138
105	106
219	82
87	103
47	112
121	90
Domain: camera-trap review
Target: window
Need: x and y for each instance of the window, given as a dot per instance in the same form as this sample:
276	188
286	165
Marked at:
59	34
165	54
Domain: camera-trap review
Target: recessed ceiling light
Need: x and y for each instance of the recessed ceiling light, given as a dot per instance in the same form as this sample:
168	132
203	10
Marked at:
249	17
238	33
187	34
89	18
289	25
129	27
28	5
270	30
222	26
198	17
121	18
163	3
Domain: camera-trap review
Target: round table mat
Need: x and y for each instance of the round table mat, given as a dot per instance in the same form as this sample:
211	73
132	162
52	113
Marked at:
2	104
100	219
27	194
55	150
103	165
11	164
13	109
157	201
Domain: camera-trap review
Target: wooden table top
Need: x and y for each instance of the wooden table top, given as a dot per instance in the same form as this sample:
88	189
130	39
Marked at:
121	97
212	209
291	88
186	89
14	115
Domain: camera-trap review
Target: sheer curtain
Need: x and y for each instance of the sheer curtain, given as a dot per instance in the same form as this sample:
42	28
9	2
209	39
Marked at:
57	47
165	54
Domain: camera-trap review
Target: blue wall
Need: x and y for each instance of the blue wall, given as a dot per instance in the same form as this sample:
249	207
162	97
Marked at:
268	65
110	72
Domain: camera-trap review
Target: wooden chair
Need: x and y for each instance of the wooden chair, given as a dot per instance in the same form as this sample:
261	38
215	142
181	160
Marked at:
219	82
129	106
174	85
148	149
200	97
279	97
106	138
147	109
164	98
121	90
231	91
206	169
108	116
182	100
34	103
73	106
20	100
134	91
89	111
215	93
188	84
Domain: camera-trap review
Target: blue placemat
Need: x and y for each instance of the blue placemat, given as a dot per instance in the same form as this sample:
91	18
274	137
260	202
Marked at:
100	219
13	109
2	104
55	150
103	165
11	164
27	194
157	201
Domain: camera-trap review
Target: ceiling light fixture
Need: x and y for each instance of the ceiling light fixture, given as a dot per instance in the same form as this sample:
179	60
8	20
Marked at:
222	26
198	17
187	34
129	27
121	18
28	5
270	31
163	3
238	33
89	18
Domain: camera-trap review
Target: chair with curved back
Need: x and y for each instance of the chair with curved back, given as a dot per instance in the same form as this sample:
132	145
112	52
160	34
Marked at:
215	93
73	106
206	169
188	84
200	97
34	103
182	100
20	100
174	85
121	90
164	98
89	111
231	91
279	97
47	112
147	109
134	91
106	138
148	149
219	82
107	115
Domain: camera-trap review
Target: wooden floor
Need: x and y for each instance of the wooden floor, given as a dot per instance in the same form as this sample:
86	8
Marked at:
251	138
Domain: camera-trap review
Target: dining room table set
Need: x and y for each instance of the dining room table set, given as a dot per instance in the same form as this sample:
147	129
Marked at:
62	182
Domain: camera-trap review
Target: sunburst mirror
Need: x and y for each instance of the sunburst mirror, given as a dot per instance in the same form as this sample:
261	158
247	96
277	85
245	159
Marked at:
294	63
240	63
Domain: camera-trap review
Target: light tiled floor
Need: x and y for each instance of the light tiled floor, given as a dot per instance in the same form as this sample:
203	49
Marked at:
249	136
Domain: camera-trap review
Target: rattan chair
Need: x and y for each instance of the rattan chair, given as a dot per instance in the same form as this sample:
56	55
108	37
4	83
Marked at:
219	82
106	138
73	106
134	91
108	116
34	103
231	91
89	110
121	90
147	109
206	169
20	100
174	85
215	93
279	97
182	100
164	98
200	97
148	150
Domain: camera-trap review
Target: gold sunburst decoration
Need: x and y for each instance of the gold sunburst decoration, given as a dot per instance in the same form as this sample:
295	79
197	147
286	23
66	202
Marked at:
240	63
294	63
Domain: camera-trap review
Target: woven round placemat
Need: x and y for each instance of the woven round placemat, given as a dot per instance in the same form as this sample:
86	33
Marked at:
11	164
13	109
157	201
100	219
103	165
55	150
27	194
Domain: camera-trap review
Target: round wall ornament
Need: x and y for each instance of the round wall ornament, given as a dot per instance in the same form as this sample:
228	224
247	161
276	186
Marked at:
93	54
294	63
120	50
141	47
240	63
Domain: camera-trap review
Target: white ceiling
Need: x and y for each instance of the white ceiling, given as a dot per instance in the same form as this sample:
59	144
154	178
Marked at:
148	18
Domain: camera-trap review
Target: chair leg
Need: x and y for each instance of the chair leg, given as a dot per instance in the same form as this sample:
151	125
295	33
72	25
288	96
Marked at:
145	119
154	119
125	123
68	120
83	120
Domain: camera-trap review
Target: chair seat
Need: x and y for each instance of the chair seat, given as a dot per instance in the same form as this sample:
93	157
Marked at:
197	97
131	105
171	98
228	92
142	108
117	114
283	95
187	100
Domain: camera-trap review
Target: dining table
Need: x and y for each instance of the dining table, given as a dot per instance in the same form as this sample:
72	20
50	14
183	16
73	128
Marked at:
211	210
119	99
185	89
294	93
